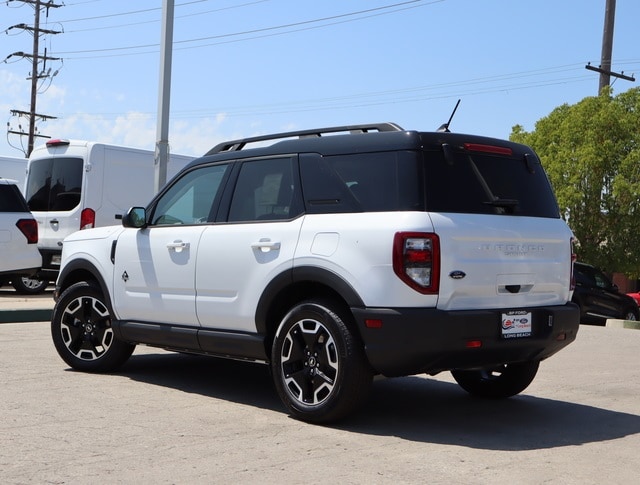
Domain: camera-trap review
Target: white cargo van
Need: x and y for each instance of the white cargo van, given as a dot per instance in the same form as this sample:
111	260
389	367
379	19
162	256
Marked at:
14	168
73	185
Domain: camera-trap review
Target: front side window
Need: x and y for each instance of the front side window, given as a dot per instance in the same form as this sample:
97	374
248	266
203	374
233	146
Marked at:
191	198
54	184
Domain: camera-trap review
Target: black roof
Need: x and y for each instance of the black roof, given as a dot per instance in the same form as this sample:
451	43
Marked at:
337	140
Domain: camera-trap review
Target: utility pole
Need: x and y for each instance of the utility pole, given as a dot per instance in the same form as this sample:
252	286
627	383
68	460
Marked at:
607	50
36	73
607	44
164	96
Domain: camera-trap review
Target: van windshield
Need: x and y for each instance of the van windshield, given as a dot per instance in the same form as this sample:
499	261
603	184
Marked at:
54	184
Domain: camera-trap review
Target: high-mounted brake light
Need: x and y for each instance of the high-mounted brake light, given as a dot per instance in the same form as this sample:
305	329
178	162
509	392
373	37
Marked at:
87	219
29	227
56	142
416	260
478	147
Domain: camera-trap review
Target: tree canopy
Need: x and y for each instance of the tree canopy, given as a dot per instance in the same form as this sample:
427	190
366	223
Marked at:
591	152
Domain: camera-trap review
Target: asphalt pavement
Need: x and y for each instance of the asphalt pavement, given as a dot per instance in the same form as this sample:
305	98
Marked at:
167	418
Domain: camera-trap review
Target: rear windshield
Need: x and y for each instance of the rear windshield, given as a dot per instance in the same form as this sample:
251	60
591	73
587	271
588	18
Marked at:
481	183
11	199
54	184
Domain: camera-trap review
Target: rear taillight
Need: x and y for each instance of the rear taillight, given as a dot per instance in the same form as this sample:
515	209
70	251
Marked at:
29	227
572	278
416	260
87	219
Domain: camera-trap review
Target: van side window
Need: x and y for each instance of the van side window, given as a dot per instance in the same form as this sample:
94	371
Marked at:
366	182
264	191
191	198
55	184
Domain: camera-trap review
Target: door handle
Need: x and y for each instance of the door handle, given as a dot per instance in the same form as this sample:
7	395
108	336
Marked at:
178	246
265	245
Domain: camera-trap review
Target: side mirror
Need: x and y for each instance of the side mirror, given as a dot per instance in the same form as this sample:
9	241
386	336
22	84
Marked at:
135	217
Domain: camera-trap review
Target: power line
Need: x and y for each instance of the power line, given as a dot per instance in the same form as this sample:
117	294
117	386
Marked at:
137	24
327	21
463	88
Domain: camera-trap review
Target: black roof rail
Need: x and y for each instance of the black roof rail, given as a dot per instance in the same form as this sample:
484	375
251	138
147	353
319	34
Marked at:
236	145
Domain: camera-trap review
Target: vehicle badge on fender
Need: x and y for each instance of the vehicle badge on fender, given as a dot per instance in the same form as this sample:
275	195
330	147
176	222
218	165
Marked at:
457	274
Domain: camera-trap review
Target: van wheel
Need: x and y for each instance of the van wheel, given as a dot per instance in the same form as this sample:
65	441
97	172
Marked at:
29	286
318	366
497	382
82	333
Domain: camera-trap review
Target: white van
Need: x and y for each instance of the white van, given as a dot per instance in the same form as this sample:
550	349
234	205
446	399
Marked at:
73	185
15	169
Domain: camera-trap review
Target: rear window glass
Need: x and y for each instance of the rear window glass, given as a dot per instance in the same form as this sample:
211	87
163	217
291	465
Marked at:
11	199
54	184
480	183
364	182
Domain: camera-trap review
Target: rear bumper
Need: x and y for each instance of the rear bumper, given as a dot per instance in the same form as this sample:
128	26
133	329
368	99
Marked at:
417	340
50	264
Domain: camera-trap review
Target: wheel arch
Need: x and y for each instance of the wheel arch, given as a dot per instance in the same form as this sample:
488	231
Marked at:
82	270
296	285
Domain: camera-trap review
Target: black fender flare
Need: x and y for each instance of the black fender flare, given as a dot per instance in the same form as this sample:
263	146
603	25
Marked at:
65	278
303	274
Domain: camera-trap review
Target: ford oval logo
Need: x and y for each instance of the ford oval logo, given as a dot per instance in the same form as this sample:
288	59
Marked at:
457	275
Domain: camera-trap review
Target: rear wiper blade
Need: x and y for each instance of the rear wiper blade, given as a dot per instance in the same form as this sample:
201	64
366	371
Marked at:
506	203
504	206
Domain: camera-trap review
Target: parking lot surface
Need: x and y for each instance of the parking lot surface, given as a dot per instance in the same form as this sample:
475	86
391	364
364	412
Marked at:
171	418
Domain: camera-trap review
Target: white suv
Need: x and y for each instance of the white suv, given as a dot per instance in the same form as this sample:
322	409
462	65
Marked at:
18	235
334	258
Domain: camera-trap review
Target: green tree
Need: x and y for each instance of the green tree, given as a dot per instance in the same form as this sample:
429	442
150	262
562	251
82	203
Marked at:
591	152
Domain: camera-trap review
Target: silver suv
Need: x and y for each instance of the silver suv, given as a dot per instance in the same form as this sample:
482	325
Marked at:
333	255
18	235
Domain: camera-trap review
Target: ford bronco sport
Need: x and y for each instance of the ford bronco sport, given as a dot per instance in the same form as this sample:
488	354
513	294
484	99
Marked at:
333	255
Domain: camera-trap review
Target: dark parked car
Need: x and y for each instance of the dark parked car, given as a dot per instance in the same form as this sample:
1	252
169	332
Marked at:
599	299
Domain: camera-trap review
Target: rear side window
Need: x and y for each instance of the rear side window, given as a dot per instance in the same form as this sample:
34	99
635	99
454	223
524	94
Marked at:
364	182
54	184
11	199
482	183
265	191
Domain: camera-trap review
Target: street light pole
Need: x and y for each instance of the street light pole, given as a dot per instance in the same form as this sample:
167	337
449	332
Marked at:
164	96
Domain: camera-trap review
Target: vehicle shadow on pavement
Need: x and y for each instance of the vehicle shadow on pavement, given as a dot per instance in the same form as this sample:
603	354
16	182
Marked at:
234	381
411	408
424	410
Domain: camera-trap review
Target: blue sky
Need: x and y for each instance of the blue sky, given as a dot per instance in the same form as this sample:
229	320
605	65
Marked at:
249	67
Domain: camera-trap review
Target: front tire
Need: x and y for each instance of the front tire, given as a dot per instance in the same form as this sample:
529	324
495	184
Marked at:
319	367
82	333
497	382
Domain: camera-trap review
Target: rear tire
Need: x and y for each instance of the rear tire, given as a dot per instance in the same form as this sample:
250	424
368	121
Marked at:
82	333
29	286
319	367
497	382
